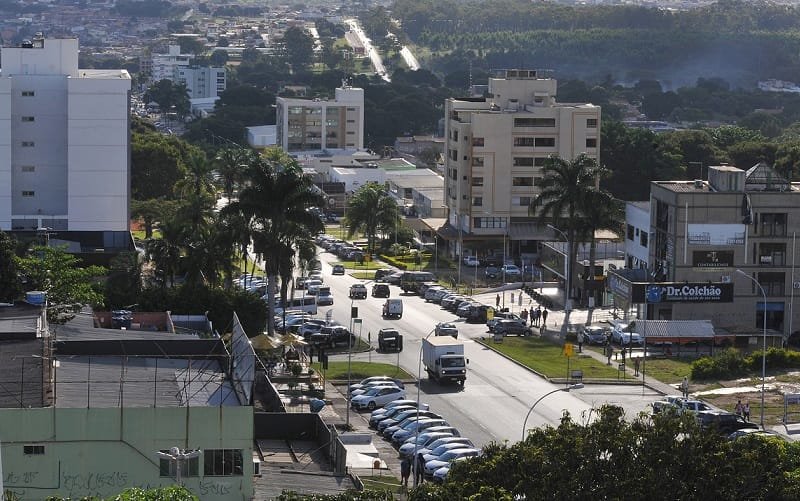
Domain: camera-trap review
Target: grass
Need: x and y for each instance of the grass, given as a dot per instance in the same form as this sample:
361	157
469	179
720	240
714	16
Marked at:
381	482
668	370
337	231
363	275
546	358
361	370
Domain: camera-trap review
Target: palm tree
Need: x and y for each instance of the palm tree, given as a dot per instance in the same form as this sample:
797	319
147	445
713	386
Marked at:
165	252
369	210
275	202
562	189
231	165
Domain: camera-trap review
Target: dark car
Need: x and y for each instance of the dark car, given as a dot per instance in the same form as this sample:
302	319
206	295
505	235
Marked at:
723	422
338	269
493	272
394	278
493	261
380	290
595	334
501	315
507	326
382	273
333	335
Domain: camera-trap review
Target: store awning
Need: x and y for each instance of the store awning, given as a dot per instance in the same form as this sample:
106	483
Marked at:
673	329
529	231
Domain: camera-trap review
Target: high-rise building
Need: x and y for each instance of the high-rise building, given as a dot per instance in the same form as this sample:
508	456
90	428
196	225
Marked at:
495	149
64	143
201	82
315	124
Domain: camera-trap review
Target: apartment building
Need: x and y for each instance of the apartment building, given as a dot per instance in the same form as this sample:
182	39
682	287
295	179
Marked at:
716	243
317	124
64	145
163	66
201	82
495	149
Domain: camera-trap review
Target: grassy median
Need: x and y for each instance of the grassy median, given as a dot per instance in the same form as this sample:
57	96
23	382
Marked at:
361	370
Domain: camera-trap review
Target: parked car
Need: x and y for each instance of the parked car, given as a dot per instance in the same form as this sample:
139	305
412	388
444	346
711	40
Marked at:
337	334
668	402
493	261
312	286
404	417
444	459
310	327
723	422
595	334
493	272
417	443
436	452
382	273
358	291
370	386
478	314
511	271
465	308
755	432
360	384
389	413
377	397
431	291
622	336
338	269
501	315
455	439
400	436
395	277
378	414
507	326
380	290
471	261
446	329
439	294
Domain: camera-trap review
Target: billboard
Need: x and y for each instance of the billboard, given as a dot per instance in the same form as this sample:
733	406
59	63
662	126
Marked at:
712	260
682	292
716	234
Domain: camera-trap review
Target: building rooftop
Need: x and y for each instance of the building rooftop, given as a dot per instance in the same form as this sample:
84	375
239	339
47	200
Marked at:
685	186
643	204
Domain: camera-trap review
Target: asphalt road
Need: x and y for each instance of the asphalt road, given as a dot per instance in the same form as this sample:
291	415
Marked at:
497	394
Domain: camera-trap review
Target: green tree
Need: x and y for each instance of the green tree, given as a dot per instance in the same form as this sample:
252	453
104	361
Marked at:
219	58
68	286
165	252
298	46
231	164
151	212
9	278
274	201
564	185
124	282
370	210
156	165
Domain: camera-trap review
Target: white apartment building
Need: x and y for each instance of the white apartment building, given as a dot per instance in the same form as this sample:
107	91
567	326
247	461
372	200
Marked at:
164	65
64	143
316	124
495	148
200	82
637	234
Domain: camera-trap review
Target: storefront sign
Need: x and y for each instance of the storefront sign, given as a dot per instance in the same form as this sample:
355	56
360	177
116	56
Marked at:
682	292
712	260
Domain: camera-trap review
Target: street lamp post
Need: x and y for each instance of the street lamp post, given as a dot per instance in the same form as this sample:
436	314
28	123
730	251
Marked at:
419	386
567	272
576	386
764	348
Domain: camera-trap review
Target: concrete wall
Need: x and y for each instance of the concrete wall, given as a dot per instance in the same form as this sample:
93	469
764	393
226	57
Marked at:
101	452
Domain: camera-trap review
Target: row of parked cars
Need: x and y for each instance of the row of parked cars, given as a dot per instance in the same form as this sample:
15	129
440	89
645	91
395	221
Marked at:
342	249
316	331
420	435
729	424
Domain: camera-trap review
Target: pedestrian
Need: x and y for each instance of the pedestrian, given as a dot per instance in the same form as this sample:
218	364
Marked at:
636	366
497	301
524	315
544	316
538	315
685	387
405	472
419	467
739	409
746	411
622	352
532	315
609	353
512	298
580	341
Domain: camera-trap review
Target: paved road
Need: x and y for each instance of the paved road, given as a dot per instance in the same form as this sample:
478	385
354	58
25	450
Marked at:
409	58
498	393
369	50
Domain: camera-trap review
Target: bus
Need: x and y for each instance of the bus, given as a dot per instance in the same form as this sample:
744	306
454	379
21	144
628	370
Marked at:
411	280
307	304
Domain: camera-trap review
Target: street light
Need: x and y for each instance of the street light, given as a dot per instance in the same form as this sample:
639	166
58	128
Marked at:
176	455
764	349
567	272
419	386
576	386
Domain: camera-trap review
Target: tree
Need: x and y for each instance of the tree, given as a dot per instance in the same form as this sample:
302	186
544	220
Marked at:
564	185
124	283
370	210
231	164
151	212
219	58
299	47
9	277
650	457
165	252
68	286
274	202
156	165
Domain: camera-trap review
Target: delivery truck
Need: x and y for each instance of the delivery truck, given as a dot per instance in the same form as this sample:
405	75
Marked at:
444	359
393	308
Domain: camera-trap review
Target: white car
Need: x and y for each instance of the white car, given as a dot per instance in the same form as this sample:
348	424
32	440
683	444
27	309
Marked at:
377	397
359	385
417	443
471	261
374	384
392	405
446	458
445	440
440	474
621	336
436	453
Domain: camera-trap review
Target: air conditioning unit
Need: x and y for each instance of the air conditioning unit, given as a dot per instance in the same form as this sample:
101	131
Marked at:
256	467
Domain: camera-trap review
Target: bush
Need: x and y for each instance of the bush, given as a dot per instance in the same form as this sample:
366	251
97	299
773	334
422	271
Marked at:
394	262
777	358
727	364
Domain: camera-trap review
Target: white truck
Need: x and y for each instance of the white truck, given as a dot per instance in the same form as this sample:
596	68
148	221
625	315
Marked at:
393	308
444	359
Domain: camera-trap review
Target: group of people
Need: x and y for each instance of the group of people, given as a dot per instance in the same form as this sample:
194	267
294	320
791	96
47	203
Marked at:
743	410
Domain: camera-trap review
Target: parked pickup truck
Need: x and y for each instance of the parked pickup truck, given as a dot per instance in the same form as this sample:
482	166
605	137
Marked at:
444	360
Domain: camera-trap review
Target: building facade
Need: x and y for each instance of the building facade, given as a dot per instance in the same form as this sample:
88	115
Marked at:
315	124
495	149
637	233
717	231
64	142
201	82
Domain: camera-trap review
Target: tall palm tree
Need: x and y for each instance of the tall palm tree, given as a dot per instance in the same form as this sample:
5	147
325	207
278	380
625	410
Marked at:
231	164
562	189
165	252
275	202
370	210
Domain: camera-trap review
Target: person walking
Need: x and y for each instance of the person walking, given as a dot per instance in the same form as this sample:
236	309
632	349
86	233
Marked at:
532	315
524	315
544	316
405	472
580	341
609	353
512	299
419	468
739	409
497	301
746	411
685	387
636	366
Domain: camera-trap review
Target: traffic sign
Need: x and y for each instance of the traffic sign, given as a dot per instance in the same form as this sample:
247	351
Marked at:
568	350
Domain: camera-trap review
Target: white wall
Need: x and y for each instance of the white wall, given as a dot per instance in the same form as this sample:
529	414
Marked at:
640	220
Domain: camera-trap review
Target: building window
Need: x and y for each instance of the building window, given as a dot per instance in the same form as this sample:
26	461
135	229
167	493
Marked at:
630	232
33	450
351	121
773	225
591	142
28	144
643	239
773	283
453	154
489	222
222	462
534	122
28	93
351	109
477	141
189	468
477	161
477	181
454	174
522	181
455	135
28	119
477	201
523	141
28	193
591	123
28	168
521	201
545	142
539	161
523	162
772	255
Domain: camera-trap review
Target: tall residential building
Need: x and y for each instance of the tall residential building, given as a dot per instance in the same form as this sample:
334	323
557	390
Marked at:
315	124
495	149
64	144
201	82
164	65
